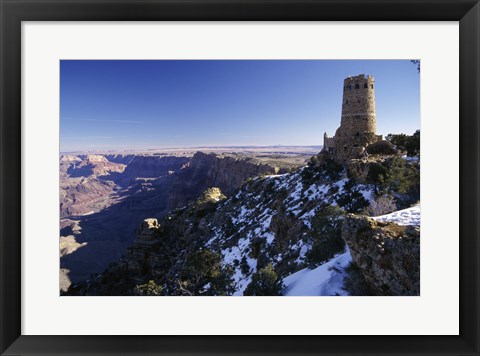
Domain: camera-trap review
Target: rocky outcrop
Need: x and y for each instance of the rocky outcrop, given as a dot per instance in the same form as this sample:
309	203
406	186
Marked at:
149	231
69	159
387	254
210	196
358	170
65	282
94	165
381	147
68	245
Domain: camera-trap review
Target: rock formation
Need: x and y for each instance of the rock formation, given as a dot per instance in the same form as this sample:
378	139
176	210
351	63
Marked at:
94	165
148	232
382	147
387	254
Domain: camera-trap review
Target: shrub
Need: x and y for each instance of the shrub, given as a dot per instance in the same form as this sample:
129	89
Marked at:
332	169
326	234
308	175
265	282
148	289
352	200
269	188
413	144
314	161
229	227
401	177
312	173
406	143
256	246
281	195
244	267
383	204
395	175
376	173
399	140
204	268
333	190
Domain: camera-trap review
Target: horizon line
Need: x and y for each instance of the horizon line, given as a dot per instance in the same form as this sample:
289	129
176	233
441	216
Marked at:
188	148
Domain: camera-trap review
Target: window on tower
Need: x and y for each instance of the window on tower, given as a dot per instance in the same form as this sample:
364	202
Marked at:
365	85
357	86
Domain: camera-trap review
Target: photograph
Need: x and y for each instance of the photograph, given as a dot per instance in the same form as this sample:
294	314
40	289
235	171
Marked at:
239	177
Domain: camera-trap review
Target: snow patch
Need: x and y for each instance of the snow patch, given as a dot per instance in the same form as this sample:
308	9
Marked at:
411	159
409	216
324	280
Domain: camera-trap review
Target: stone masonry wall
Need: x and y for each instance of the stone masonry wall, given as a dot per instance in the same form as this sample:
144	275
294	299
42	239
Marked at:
358	123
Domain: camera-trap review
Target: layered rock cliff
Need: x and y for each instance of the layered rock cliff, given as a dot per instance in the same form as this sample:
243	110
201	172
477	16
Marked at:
94	165
227	172
143	166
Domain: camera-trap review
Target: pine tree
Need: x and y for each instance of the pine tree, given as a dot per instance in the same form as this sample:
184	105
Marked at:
265	282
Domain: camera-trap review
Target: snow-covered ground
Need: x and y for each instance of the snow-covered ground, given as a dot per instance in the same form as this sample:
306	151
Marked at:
409	216
325	280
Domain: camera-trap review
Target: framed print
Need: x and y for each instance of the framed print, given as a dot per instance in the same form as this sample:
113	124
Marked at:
239	177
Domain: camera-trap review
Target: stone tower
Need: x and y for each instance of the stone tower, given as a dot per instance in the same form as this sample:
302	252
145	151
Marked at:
358	124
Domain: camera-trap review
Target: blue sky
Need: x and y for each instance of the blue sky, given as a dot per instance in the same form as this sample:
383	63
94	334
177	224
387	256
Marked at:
120	105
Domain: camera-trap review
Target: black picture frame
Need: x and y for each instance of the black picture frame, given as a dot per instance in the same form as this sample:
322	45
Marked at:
13	12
